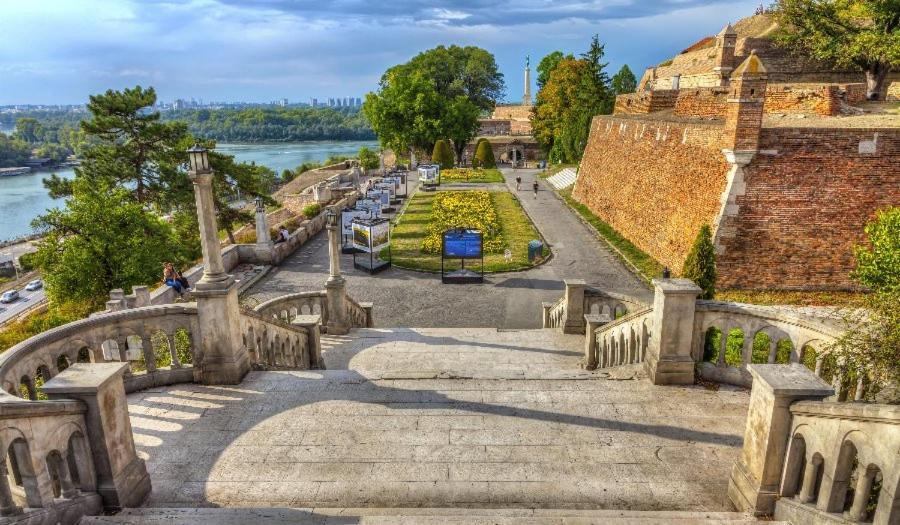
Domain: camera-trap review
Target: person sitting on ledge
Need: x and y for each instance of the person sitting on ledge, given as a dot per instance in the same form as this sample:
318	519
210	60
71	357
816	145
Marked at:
174	279
283	235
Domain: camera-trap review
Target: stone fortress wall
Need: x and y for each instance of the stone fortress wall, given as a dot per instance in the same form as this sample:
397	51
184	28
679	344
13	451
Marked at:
786	173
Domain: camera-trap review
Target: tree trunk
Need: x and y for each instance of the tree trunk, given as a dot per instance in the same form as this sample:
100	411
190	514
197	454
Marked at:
876	74
230	235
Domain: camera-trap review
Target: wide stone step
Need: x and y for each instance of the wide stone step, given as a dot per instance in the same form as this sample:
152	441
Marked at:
413	516
563	179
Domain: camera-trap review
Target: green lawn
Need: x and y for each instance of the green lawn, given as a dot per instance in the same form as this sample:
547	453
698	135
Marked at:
472	176
646	265
517	230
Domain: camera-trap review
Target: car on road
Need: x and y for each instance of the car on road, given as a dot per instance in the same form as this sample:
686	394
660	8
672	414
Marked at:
36	284
9	296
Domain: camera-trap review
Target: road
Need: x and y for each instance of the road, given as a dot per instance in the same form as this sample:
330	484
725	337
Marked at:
26	301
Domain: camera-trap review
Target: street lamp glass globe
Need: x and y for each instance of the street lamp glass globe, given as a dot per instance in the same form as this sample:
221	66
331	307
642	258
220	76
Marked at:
199	158
330	216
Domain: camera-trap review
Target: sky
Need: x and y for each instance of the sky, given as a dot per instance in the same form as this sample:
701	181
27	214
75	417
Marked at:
61	51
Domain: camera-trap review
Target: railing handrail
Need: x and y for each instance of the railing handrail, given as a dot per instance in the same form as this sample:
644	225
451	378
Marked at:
287	298
623	320
596	292
273	321
39	341
847	411
767	314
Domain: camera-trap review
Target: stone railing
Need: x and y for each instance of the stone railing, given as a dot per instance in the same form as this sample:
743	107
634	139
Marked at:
814	462
147	338
72	455
786	338
289	307
359	314
579	300
276	344
620	342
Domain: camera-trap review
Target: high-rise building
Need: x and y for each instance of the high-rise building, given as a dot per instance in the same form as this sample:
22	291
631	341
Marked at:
314	102
358	102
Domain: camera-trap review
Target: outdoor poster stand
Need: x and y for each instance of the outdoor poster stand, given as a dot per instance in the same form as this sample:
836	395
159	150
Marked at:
348	215
429	176
462	244
383	196
403	183
371	236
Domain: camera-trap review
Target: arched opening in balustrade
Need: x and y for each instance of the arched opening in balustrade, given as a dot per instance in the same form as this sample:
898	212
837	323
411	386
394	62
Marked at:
162	351
84	355
21	472
184	346
811	485
868	484
712	342
56	472
619	311
77	458
41	375
26	388
134	353
794	466
62	362
761	345
783	350
734	348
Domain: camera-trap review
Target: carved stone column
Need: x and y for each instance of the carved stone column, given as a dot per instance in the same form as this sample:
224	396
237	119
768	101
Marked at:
263	246
334	287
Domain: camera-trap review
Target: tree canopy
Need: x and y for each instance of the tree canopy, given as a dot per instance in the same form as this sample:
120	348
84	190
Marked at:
548	64
846	33
439	93
624	81
575	91
442	154
13	151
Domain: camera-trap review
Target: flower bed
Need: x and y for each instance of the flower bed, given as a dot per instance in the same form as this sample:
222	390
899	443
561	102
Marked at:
463	209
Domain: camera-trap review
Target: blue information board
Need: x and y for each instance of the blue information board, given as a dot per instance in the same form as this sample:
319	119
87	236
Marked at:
464	244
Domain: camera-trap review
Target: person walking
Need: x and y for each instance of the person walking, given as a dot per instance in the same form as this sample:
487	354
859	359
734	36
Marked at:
518	182
535	186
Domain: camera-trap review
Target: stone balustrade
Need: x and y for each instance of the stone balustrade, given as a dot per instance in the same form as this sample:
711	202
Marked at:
810	461
288	307
148	338
359	314
276	344
719	338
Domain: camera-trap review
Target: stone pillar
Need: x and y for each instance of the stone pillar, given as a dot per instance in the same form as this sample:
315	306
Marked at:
8	505
141	296
67	488
224	358
864	480
574	298
334	287
669	360
173	351
263	246
756	475
122	479
592	322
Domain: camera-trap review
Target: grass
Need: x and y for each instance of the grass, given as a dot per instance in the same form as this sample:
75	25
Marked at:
647	266
516	227
791	297
471	176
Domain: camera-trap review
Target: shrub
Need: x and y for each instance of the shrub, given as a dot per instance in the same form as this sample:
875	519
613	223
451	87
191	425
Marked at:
700	265
484	155
878	264
28	261
368	159
311	211
442	154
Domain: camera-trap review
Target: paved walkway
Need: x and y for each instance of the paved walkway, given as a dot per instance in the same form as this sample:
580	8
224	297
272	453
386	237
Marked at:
405	298
383	434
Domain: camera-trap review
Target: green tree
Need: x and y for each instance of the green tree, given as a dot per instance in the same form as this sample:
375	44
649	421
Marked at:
52	150
576	90
484	155
845	33
29	130
624	81
368	159
871	341
102	240
700	264
548	64
442	154
13	152
439	93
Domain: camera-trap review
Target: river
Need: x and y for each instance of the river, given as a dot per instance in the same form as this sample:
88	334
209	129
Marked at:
22	198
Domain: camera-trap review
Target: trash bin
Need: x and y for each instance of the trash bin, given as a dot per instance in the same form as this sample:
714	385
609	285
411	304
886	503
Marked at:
535	249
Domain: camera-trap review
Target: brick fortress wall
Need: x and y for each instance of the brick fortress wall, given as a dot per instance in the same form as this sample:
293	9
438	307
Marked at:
809	193
656	182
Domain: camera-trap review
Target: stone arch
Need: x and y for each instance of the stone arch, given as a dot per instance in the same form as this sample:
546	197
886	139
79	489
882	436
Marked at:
84	355
619	310
78	458
734	346
27	388
784	351
22	471
836	499
56	471
63	362
712	343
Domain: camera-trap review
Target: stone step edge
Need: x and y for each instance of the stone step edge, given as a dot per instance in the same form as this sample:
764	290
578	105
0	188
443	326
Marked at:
420	375
451	512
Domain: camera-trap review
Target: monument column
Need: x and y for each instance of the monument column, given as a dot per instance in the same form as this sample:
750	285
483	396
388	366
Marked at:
263	239
334	286
223	358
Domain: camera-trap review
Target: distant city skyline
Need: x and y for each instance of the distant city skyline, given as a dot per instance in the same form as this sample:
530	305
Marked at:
62	51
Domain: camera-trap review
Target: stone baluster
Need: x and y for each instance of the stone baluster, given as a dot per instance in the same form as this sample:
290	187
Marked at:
67	488
810	473
747	350
865	479
723	347
820	362
773	350
8	506
149	354
173	350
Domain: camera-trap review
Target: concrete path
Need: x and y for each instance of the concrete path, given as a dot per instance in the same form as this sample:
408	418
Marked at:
513	300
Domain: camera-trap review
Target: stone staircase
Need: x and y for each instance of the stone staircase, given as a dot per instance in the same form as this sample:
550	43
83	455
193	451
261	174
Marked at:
428	426
415	516
563	179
